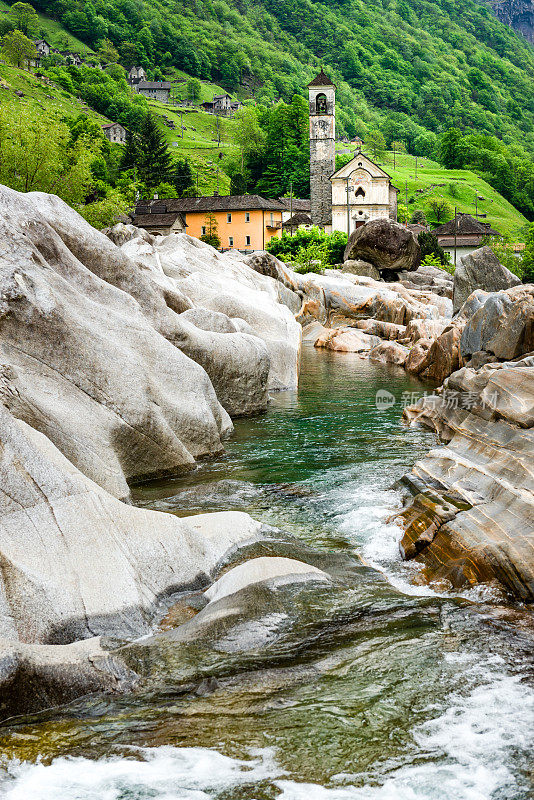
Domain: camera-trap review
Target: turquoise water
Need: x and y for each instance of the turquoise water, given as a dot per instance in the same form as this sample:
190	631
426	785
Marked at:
431	701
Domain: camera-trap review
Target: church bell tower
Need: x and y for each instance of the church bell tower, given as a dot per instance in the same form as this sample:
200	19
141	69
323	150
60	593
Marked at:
322	98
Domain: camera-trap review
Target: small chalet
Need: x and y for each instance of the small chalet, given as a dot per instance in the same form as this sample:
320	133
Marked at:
72	58
222	104
293	208
115	132
244	222
468	232
155	90
298	220
156	218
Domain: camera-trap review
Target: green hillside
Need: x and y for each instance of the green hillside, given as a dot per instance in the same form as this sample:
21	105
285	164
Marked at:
55	33
460	188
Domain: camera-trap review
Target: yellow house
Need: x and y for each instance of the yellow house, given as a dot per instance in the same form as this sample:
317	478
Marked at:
244	222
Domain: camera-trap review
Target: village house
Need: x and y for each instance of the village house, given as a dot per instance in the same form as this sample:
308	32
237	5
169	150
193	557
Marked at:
42	47
154	90
156	218
465	233
296	214
72	58
245	222
222	104
115	132
136	75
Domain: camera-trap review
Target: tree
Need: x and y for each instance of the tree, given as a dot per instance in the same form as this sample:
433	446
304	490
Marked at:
402	213
430	247
107	52
376	143
418	217
17	49
238	184
194	90
441	209
212	233
182	179
24	18
154	158
452	149
527	263
37	154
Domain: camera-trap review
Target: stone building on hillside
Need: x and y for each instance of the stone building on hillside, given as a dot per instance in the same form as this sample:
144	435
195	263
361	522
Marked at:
42	47
154	90
361	191
322	108
136	75
222	104
115	132
157	218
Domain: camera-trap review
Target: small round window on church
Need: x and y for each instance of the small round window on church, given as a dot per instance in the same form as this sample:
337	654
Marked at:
360	164
320	104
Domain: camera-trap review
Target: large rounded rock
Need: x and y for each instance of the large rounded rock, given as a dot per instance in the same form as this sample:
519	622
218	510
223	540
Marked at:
480	269
384	244
363	268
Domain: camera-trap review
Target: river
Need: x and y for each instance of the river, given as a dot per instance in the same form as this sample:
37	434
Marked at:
440	707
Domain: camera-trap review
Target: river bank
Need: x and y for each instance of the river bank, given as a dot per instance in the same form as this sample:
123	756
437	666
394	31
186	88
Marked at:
425	697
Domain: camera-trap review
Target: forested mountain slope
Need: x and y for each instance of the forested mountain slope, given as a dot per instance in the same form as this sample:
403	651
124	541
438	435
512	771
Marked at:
423	65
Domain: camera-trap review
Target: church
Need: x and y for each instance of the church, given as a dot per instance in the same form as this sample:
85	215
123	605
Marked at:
345	199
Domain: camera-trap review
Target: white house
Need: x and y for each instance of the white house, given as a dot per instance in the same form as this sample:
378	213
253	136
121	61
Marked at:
361	191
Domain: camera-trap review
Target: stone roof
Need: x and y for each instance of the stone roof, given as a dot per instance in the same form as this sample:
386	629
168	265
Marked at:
296	204
465	225
154	85
243	202
472	240
157	220
300	218
112	125
322	80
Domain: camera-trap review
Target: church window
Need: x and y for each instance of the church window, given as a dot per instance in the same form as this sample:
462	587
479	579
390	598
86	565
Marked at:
360	164
359	192
320	104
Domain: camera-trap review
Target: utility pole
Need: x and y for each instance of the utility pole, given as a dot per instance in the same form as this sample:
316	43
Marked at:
197	185
393	146
291	207
406	192
476	205
416	168
217	180
218	132
348	209
455	231
182	123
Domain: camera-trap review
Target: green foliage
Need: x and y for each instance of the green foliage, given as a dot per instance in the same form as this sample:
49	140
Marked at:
238	184
402	213
527	265
17	48
418	217
23	17
307	246
194	89
504	251
430	249
441	209
38	154
377	144
105	212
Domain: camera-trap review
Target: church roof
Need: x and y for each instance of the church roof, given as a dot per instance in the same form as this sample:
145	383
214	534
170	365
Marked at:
322	80
364	158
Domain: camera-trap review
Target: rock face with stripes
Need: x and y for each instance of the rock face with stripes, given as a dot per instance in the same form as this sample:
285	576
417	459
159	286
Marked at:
470	518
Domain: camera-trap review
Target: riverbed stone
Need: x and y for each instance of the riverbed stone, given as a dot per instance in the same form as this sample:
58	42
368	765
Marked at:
347	340
389	353
385	244
358	267
471	517
480	269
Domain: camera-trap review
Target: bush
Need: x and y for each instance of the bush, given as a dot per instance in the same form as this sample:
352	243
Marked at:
430	247
211	238
310	245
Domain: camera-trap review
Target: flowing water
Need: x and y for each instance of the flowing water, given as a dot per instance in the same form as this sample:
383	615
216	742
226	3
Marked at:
433	703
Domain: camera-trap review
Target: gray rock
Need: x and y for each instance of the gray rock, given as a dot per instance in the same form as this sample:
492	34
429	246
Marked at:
503	325
354	267
480	269
78	563
385	244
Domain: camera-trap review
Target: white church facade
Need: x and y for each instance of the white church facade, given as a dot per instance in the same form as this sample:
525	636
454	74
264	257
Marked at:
361	191
345	199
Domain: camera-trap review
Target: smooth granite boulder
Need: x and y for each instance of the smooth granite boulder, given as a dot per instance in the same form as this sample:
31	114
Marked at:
384	244
502	326
480	269
389	353
347	340
355	267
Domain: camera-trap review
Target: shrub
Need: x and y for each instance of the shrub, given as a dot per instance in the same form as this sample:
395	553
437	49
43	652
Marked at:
310	245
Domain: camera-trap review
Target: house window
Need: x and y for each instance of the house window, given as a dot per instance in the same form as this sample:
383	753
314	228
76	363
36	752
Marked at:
247	241
203	230
272	219
247	216
228	217
231	241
